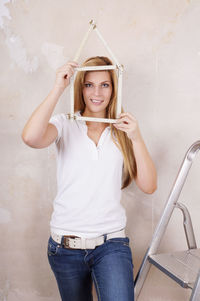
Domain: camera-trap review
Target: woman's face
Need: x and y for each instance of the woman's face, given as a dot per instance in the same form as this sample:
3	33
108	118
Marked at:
97	90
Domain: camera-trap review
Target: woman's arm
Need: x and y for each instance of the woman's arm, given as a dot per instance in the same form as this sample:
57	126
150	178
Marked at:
38	132
146	178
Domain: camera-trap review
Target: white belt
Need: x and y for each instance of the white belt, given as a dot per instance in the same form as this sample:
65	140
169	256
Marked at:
75	242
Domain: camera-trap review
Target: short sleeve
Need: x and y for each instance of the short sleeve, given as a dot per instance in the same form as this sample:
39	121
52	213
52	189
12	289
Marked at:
58	121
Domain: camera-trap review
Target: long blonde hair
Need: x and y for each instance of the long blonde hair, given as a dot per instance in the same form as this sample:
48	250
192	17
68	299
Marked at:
124	143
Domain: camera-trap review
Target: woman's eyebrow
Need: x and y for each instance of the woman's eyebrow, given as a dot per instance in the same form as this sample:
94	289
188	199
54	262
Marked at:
106	81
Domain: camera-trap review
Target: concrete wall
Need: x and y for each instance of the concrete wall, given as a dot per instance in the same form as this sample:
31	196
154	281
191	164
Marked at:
158	44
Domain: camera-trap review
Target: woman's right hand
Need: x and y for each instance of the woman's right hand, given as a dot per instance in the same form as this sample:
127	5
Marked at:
64	74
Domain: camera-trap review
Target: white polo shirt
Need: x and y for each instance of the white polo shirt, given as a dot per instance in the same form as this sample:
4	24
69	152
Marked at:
89	180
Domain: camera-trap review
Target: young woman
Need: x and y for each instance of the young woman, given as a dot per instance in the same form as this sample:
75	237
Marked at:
95	161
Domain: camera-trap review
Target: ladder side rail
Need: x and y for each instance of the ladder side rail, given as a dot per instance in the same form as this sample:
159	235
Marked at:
188	227
165	217
196	289
174	195
161	227
142	274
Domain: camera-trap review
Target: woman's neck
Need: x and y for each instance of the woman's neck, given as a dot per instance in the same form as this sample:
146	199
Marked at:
95	125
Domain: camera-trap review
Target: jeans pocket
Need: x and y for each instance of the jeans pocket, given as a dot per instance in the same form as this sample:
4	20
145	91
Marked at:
52	247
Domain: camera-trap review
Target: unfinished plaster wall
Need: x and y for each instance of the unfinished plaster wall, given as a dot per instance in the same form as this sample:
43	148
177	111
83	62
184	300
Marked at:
158	44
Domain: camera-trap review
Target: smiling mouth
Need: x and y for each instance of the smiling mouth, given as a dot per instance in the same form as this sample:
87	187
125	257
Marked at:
96	101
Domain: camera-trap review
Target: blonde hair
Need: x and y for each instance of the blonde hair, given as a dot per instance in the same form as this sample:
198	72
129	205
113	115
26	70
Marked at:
124	143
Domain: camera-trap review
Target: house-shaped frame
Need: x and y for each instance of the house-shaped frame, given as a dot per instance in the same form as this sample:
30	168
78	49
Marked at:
72	116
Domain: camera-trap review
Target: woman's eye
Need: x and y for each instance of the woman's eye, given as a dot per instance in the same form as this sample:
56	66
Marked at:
88	85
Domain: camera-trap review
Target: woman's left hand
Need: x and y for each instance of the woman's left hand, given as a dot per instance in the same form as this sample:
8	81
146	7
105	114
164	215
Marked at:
127	123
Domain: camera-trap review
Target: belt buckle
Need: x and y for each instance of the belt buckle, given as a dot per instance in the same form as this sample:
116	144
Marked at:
66	241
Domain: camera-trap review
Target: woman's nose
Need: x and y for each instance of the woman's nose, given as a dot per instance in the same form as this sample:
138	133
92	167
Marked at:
96	90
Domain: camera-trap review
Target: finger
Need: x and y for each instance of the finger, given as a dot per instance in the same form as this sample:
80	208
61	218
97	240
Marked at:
65	73
68	65
74	64
66	68
124	116
122	126
121	129
127	120
69	71
129	115
124	122
124	119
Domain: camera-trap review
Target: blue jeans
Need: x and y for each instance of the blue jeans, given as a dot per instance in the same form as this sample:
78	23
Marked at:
109	265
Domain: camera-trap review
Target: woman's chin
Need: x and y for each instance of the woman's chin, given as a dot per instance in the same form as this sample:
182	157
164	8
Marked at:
95	109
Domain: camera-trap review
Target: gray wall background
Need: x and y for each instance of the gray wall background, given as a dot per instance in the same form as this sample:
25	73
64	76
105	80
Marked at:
158	44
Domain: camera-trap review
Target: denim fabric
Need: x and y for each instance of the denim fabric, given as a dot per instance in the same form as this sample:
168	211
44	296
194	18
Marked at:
109	266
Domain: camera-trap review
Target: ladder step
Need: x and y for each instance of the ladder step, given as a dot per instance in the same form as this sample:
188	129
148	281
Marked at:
183	267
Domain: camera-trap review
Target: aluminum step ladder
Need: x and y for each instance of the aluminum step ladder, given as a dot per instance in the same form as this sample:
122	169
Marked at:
184	266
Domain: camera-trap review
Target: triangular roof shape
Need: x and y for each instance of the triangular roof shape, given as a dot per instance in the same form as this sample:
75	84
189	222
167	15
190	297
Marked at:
93	26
